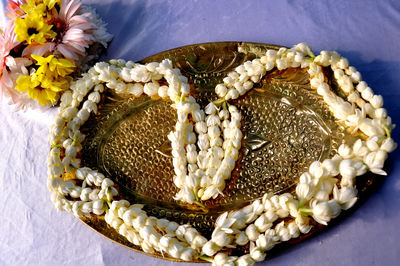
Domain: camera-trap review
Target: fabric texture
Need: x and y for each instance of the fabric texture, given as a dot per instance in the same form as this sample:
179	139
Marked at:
33	232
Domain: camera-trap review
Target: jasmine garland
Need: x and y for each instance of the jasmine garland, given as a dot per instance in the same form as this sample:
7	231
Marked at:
205	151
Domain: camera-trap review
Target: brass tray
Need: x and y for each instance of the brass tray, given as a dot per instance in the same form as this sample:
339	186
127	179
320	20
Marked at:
286	126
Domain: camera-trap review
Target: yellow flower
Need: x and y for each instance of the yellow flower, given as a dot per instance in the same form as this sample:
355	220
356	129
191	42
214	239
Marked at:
26	83
52	3
34	7
51	83
32	28
41	7
59	67
50	78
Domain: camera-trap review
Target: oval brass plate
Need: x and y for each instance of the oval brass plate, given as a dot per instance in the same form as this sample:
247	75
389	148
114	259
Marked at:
286	127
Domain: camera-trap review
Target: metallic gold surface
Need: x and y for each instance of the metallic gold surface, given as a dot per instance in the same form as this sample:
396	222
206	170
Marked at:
286	127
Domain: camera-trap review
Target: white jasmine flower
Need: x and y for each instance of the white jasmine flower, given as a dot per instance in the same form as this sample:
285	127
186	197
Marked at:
198	241
303	48
345	151
281	64
240	69
149	249
221	238
239	217
190	138
322	195
164	66
180	231
252	233
211	108
257	254
233	75
257	207
323	212
346	196
94	194
354	97
271	55
185	194
221	90
69	113
316	170
55	171
380	158
216	142
265	242
262	224
388	145
245	260
223	221
275	201
331	167
361	86
185	88
87	207
376	101
347	169
163	91
315	82
354	120
228	81
369	109
293	230
98	207
372	144
75	192
367	94
210	248
359	149
343	109
323	89
175	250
299	57
54	183
192	181
213	120
232	94
304	192
269	65
303	225
343	63
380	113
135	89
209	192
356	76
346	84
241	239
284	199
90	106
314	69
284	234
370	128
323	58
222	259
305	178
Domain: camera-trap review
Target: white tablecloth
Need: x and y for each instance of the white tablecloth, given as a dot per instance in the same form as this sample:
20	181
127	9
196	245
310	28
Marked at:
32	232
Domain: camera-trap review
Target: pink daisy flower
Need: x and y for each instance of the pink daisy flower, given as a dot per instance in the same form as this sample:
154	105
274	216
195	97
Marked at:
11	68
14	9
74	33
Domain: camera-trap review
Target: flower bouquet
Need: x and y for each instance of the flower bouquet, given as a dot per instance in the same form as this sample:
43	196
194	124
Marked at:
44	45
